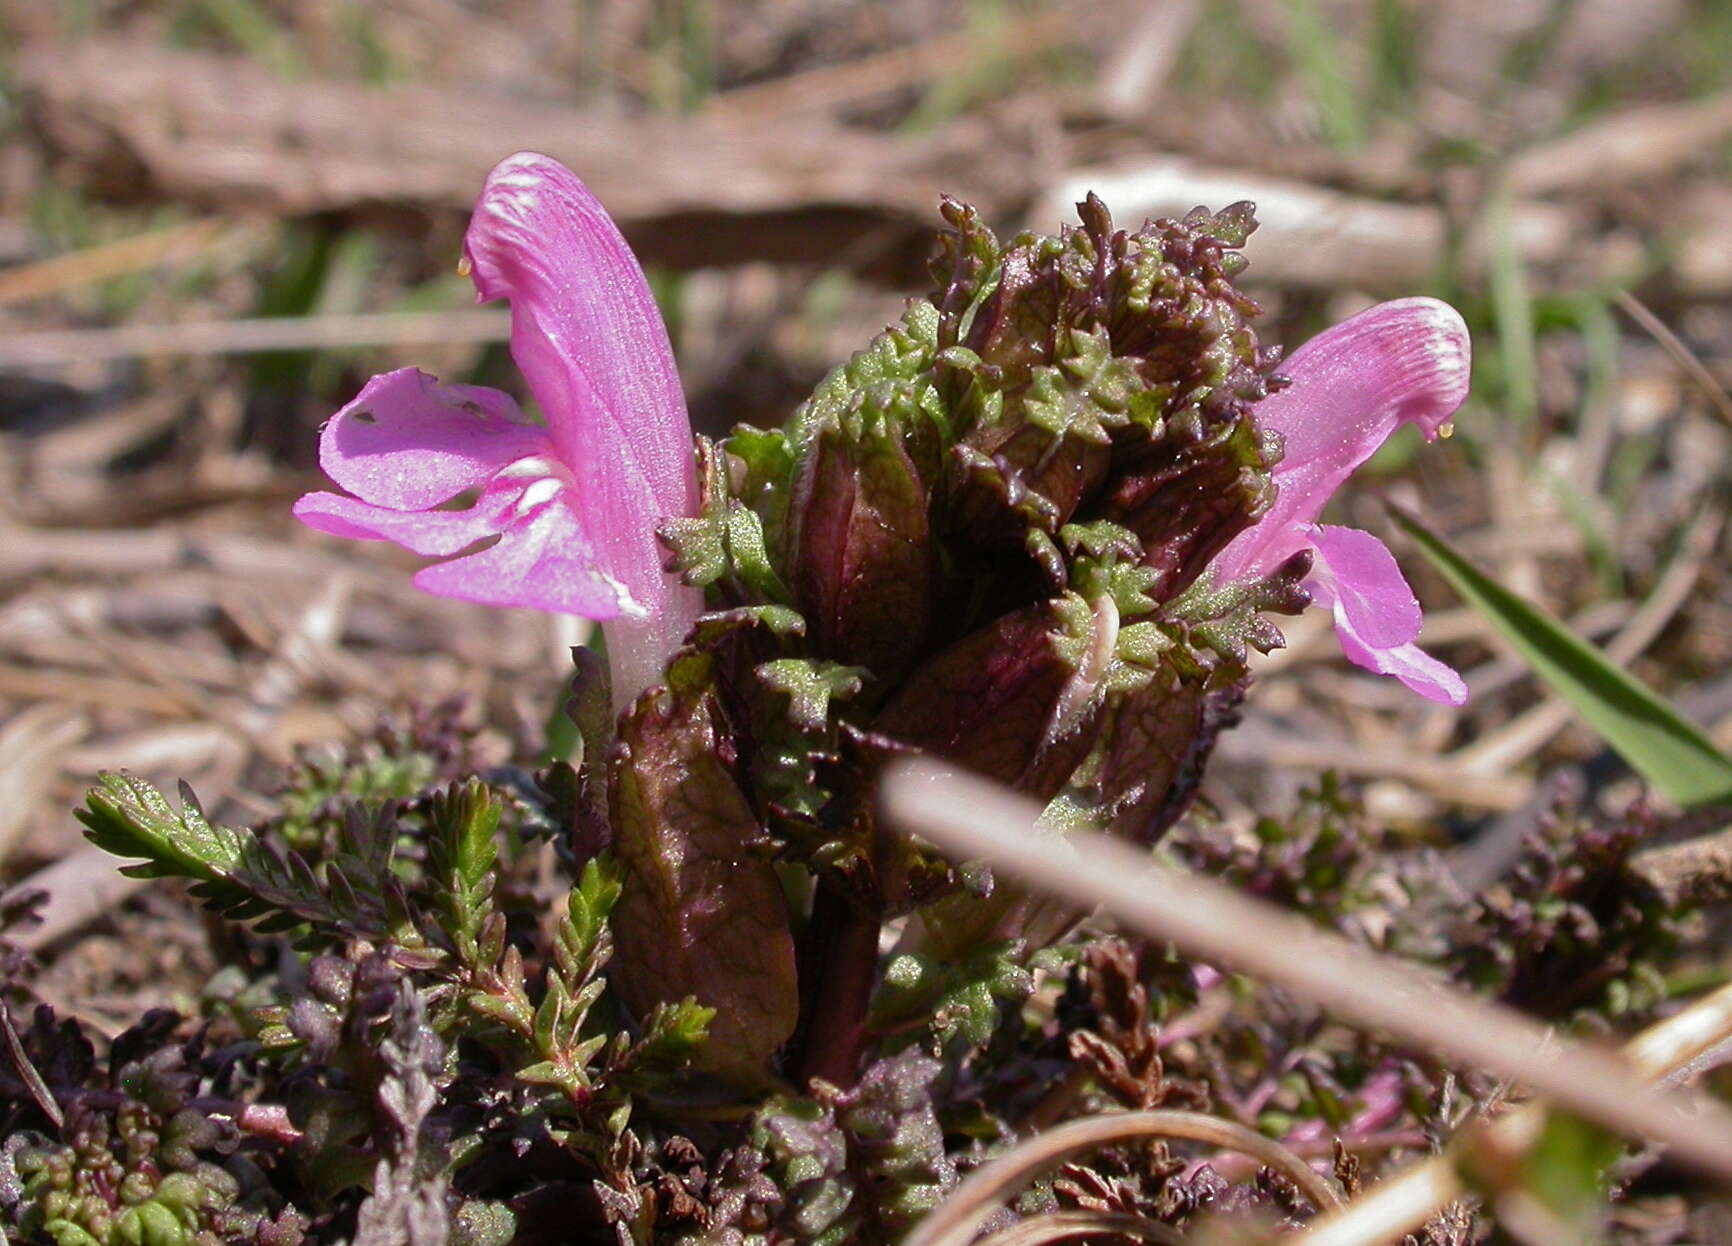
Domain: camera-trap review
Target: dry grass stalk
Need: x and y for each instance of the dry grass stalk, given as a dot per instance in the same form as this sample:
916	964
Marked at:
1697	871
81	887
1406	1200
894	69
971	818
957	1220
112	259
1628	148
71	347
1719	401
31	743
1134	73
222	131
1440	776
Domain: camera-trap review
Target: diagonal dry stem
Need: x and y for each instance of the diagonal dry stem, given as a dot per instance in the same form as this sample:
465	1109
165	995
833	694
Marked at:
971	818
1718	399
1410	1198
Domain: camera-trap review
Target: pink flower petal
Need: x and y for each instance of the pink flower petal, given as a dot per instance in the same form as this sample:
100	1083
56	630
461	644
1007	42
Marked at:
407	442
1376	615
1414	667
542	561
1356	574
587	335
432	533
1404	362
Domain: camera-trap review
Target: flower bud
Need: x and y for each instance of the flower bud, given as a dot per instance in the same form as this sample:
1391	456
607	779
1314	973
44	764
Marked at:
1014	700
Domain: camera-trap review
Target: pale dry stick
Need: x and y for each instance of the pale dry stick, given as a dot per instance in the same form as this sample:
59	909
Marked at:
301	649
956	1220
26	1071
1436	775
175	747
103	551
87	884
89	690
82	645
1131	78
138	661
1634	145
1497	752
971	818
1697	871
1594	623
1060	1226
1681	354
110	259
81	887
31	743
832	86
1407	1200
1311	636
65	347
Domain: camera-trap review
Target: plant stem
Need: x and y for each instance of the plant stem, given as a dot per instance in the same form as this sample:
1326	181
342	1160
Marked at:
841	963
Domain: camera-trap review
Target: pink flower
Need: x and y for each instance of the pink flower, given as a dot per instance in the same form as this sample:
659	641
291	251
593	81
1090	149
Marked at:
561	515
1398	363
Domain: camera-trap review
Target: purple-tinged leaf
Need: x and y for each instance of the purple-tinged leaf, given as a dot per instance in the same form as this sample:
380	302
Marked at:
700	915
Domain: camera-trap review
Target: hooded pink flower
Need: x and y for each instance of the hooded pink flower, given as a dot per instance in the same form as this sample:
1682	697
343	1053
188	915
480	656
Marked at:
561	515
1404	362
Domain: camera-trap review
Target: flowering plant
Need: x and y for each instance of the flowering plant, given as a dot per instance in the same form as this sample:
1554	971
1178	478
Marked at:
1036	528
1032	529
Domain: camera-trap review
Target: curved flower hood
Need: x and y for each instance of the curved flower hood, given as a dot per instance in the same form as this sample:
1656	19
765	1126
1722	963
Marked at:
1403	362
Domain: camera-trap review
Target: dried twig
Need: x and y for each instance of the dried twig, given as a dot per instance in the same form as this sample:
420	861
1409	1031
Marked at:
1441	776
58	348
1718	399
30	747
894	69
1697	871
1406	1200
1632	146
34	1086
973	818
112	259
1134	73
224	132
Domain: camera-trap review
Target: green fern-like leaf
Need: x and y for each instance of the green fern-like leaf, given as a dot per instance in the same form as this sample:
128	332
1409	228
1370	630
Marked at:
246	878
131	818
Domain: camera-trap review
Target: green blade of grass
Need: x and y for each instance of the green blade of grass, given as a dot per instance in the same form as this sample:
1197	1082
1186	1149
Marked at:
1659	743
1318	53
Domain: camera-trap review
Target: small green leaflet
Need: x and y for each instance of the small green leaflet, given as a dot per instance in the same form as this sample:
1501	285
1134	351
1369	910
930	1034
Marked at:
1659	743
